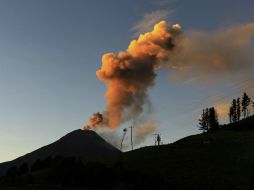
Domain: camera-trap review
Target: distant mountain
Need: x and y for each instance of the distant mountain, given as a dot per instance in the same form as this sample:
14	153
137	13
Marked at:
87	145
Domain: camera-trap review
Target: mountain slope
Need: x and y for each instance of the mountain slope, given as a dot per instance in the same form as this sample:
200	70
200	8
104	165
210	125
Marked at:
79	143
222	159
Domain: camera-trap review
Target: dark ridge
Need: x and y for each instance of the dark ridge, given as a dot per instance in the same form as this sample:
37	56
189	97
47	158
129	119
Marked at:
87	145
219	159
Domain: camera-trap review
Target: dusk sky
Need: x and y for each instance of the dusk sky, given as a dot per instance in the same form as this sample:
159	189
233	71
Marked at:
50	51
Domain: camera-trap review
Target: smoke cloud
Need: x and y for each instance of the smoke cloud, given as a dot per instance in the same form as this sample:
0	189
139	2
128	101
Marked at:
96	120
112	137
205	54
143	129
129	74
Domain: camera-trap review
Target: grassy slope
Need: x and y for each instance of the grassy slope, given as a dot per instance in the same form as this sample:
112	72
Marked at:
217	160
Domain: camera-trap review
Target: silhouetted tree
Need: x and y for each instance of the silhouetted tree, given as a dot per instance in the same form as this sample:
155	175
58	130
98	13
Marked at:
203	121
233	111
213	119
208	120
245	104
238	109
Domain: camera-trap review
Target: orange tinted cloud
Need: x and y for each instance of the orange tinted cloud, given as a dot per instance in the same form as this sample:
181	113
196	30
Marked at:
204	54
222	110
129	74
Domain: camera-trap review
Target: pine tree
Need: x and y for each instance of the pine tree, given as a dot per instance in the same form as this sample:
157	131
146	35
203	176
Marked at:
208	120
213	122
238	109
245	104
203	121
234	111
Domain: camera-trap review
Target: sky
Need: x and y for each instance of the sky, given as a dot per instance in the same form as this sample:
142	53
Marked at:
50	51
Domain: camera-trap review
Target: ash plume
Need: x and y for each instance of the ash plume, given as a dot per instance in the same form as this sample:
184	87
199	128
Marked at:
143	128
129	74
112	137
202	55
96	120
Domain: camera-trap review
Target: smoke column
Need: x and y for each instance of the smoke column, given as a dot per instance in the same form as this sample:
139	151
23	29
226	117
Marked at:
196	54
129	74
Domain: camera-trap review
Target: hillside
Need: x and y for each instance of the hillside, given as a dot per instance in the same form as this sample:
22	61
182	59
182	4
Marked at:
222	159
85	144
244	124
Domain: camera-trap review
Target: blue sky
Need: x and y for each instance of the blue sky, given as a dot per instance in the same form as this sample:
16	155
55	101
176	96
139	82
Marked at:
50	51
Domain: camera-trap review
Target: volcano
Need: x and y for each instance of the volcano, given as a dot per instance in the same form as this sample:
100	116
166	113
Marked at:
85	144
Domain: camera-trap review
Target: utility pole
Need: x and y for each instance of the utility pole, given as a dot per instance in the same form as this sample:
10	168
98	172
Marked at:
131	137
124	134
157	139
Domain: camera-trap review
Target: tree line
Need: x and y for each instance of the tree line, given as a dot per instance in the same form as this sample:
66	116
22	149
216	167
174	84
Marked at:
240	108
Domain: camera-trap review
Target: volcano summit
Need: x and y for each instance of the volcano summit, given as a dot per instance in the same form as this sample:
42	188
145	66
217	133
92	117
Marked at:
85	144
